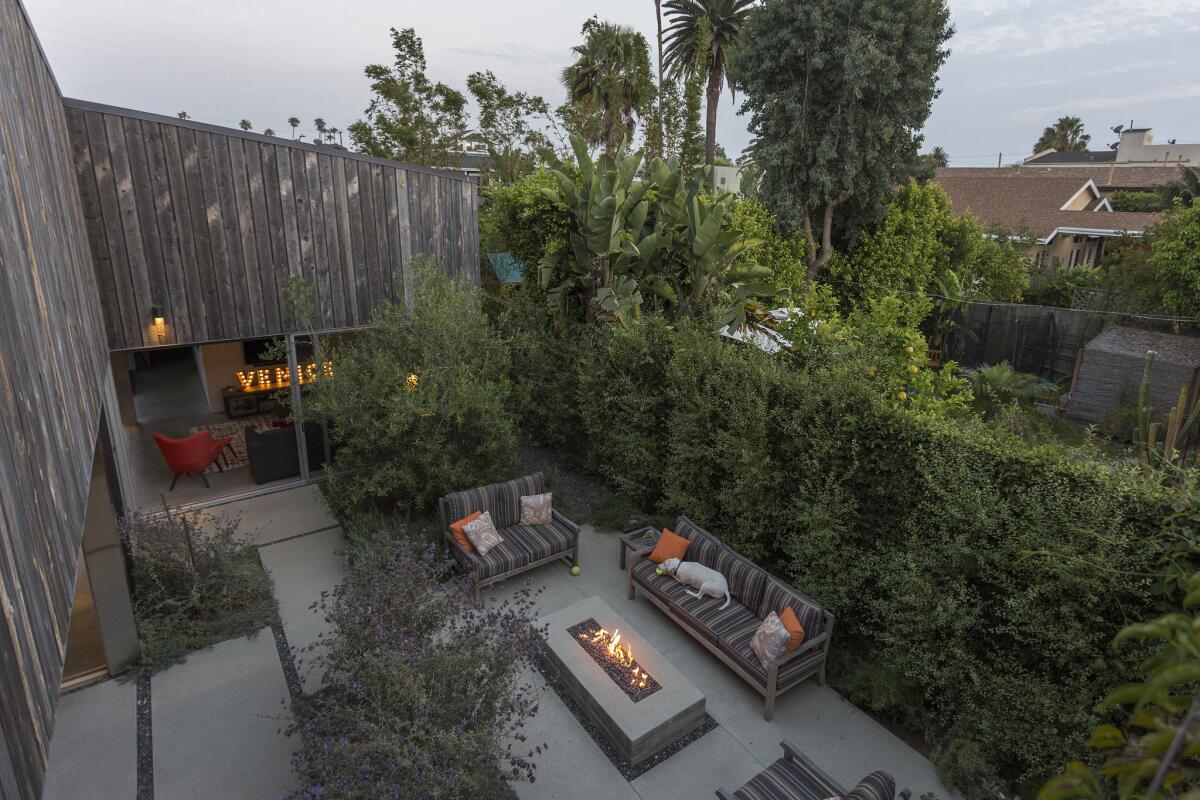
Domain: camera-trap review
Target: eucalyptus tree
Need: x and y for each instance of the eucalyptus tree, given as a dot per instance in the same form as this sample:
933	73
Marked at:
611	79
837	92
694	47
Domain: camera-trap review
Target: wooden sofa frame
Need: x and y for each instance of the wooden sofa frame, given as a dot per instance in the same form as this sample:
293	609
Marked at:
792	753
771	690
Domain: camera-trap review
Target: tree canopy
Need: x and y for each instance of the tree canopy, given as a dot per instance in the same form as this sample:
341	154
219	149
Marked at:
837	92
506	122
609	83
1066	136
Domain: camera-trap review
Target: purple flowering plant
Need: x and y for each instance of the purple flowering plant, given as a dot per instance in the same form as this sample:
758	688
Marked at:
423	694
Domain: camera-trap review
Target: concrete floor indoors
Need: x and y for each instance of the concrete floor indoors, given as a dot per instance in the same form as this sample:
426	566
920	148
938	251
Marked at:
217	717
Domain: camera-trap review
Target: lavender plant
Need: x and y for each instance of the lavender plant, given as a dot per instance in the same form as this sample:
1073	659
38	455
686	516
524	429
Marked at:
423	697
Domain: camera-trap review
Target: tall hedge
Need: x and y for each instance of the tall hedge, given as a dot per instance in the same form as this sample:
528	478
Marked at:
978	581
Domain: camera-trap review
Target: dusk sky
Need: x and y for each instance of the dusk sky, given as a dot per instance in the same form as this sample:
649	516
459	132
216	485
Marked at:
1016	65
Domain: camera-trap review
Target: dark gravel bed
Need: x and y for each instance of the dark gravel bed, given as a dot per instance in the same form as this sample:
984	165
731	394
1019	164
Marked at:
628	771
619	673
287	660
145	741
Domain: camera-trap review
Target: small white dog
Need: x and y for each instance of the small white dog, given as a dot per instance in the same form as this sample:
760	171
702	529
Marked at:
705	580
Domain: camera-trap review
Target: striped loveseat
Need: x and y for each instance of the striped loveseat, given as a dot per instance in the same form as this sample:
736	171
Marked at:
524	546
727	633
795	777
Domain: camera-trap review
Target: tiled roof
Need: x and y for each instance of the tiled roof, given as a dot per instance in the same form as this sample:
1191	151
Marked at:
1106	176
1084	157
1030	203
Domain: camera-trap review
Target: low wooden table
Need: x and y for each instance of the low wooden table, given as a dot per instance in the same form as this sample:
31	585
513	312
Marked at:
636	540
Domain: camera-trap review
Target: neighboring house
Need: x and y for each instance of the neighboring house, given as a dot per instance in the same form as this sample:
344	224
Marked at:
1066	214
728	178
473	158
1136	147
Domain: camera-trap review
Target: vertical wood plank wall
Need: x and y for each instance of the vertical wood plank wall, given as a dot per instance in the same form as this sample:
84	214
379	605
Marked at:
54	381
208	223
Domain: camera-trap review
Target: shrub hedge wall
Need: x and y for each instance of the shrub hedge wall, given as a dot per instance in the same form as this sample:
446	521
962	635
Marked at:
978	581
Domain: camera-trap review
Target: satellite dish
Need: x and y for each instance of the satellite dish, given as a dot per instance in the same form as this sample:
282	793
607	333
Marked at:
1117	129
1114	146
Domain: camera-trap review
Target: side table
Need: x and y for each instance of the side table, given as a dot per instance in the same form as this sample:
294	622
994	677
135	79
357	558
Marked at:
642	537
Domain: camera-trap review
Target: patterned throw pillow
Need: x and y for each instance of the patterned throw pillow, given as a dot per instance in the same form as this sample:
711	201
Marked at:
770	640
482	533
535	509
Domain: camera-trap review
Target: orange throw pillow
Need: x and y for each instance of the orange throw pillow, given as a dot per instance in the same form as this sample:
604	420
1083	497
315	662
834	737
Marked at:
670	545
460	536
792	623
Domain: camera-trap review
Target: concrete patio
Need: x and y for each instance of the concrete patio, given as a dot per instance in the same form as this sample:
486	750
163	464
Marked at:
218	717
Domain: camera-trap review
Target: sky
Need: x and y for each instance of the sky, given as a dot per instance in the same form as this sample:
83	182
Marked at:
1015	65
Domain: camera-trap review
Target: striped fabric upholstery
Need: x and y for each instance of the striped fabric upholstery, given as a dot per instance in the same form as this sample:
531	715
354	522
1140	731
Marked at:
504	557
541	541
876	786
689	530
703	549
746	579
778	596
664	587
737	645
502	499
708	618
787	780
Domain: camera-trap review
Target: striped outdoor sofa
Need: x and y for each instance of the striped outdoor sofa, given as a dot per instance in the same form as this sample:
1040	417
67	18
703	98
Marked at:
727	633
795	777
524	546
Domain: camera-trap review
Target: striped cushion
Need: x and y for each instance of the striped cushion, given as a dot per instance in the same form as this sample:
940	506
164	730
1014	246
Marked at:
746	580
710	620
876	786
542	541
787	780
688	529
703	549
664	587
504	557
777	596
737	646
502	499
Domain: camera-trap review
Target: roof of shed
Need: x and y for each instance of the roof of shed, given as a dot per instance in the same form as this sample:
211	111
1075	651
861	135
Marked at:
1134	342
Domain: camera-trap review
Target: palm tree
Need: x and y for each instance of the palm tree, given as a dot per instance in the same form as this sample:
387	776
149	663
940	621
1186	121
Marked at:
939	157
684	41
245	125
611	78
999	385
295	123
1065	136
1185	188
335	132
183	115
319	124
268	131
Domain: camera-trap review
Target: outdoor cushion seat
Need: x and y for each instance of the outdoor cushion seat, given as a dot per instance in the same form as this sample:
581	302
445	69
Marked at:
796	777
737	646
541	541
524	547
504	557
726	632
783	780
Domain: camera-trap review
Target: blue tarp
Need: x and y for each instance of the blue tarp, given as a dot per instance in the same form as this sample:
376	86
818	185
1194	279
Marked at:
507	268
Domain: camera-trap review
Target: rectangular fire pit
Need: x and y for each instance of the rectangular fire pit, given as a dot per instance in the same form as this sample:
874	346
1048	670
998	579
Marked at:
638	719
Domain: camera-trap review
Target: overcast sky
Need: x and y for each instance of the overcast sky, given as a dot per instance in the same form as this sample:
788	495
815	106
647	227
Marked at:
1016	64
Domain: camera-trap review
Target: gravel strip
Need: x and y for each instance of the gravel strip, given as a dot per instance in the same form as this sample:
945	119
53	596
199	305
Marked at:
145	741
287	659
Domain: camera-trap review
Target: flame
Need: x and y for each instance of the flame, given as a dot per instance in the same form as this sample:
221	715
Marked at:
623	655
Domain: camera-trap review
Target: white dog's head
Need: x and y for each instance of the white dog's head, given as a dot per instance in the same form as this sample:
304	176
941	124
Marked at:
670	566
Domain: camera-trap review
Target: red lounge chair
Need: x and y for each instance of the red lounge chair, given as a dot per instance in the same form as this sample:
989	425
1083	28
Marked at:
192	455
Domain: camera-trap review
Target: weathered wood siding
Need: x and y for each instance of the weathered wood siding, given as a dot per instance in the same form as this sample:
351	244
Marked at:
54	381
208	223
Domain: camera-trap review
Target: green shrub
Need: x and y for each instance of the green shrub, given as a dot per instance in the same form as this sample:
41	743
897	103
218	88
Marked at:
196	583
517	218
785	254
988	575
420	404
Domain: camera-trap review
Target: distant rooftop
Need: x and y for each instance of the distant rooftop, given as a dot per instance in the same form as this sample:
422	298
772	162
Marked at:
1084	157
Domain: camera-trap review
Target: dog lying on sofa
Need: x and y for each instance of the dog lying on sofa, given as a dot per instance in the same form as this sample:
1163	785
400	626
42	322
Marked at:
705	580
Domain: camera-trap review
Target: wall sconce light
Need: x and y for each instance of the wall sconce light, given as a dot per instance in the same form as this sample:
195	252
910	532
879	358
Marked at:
160	323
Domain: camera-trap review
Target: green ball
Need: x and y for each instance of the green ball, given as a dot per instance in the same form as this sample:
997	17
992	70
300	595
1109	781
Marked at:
658	570
575	570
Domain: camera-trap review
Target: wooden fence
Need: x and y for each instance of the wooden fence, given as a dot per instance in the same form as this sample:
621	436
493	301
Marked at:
208	223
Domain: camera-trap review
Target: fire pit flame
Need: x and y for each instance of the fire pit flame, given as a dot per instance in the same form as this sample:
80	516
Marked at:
623	655
609	647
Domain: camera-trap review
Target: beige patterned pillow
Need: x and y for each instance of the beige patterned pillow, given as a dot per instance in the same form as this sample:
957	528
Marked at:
481	532
535	509
770	640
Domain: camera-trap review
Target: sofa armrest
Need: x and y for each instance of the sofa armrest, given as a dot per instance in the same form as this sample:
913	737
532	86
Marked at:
725	794
635	556
793	754
468	560
806	646
557	515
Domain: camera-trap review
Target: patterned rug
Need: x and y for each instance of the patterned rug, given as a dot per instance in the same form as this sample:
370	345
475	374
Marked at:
237	429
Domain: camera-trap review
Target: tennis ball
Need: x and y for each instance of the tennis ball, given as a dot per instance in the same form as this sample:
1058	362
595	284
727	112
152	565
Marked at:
575	570
658	571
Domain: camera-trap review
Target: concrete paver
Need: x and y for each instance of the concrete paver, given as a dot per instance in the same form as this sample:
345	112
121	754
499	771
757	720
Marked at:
301	570
572	768
271	517
714	760
94	743
218	720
